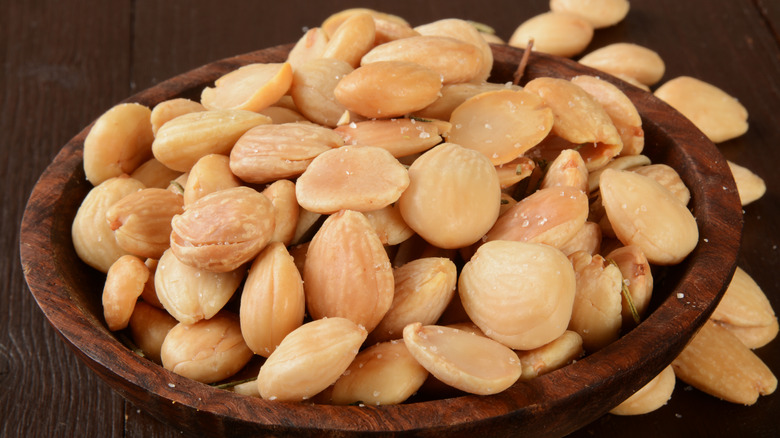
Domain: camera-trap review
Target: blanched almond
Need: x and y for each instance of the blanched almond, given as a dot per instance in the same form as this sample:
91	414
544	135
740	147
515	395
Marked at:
464	31
209	174
750	186
207	351
668	177
452	95
124	283
649	397
513	172
252	87
286	210
568	170
631	60
587	239
170	109
599	13
556	33
347	271
272	301
520	294
549	357
141	221
744	306
400	137
310	46
637	278
389	225
148	327
468	362
313	89
352	39
309	359
628	162
453	196
153	173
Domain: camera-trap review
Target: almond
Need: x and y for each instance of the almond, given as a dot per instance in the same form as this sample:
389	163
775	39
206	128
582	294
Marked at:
141	221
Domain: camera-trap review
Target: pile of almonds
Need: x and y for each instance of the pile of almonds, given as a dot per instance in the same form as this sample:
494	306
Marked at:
374	219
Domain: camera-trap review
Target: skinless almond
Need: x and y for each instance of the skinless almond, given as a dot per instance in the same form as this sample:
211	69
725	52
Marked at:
464	31
352	39
124	283
453	196
750	186
423	289
280	115
208	175
286	210
628	162
400	137
587	239
141	221
753	337
307	225
620	110
717	114
471	363
650	397
153	173
744	305
149	293
452	95
631	60
568	170
190	294
386	89
148	327
313	89
382	374
252	87
643	213
556	33
347	271
520	294
351	178
309	359
552	216
597	304
93	239
310	46
579	119
181	142
177	185
549	357
389	225
454	60
716	362
272	301
501	124
223	230
207	351
389	29
270	152
118	142
668	177
637	277
514	171
599	13
170	109
416	247
332	23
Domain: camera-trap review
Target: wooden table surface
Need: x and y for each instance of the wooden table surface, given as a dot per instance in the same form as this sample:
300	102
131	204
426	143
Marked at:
66	62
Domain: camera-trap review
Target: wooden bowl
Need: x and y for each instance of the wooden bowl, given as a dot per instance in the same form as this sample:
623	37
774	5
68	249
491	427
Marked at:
69	293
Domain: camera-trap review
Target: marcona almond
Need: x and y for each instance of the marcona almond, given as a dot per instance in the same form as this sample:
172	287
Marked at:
649	397
309	47
190	294
251	87
309	359
347	271
631	60
454	60
148	327
668	177
267	153
567	170
170	109
207	351
93	240
643	213
118	142
149	293
501	124
587	239
209	174
386	89
552	216
124	283
382	374
596	315
520	294
464	31
400	137
453	196
452	95
628	162
332	23
281	193
389	225
745	310
716	362
513	172
184	140
579	119
352	39
153	173
351	178
599	13
637	278
141	221
272	301
717	114
307	225
465	361
313	88
280	115
549	357
556	33
423	289
750	186
223	230
620	110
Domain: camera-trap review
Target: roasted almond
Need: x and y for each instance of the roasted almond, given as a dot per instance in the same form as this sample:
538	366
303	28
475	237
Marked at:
141	221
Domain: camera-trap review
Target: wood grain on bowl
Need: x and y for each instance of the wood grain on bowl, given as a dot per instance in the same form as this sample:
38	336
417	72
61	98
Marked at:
69	293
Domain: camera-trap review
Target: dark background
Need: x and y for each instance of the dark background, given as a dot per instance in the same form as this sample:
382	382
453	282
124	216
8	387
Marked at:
66	62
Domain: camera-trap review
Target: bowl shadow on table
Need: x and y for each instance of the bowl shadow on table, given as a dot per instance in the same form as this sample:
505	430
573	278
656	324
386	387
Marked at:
69	293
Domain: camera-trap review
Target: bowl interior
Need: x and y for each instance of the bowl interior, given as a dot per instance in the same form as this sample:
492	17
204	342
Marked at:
69	293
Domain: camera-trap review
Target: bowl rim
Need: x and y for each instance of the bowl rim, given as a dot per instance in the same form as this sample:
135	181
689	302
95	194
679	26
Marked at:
676	319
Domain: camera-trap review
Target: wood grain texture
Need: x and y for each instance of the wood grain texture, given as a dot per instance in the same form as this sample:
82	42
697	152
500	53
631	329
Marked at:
65	63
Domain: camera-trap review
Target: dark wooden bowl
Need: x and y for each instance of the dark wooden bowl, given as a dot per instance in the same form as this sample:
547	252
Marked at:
69	293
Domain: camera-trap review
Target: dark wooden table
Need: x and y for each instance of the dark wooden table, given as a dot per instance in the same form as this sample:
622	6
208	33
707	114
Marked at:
65	62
